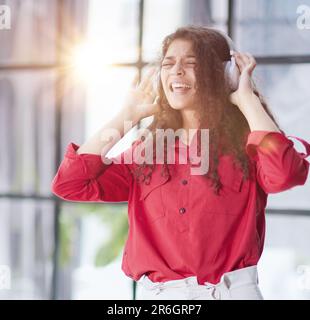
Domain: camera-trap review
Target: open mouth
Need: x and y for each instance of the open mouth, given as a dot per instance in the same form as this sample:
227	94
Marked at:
179	87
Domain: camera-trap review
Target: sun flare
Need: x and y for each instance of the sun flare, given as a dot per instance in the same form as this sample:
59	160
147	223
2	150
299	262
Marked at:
89	61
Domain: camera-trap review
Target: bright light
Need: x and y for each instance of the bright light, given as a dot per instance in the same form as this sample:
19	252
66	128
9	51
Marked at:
89	60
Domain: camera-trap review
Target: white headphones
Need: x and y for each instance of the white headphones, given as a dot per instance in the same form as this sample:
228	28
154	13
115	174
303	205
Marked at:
231	69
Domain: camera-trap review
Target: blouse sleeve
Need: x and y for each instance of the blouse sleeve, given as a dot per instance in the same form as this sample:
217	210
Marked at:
85	177
278	165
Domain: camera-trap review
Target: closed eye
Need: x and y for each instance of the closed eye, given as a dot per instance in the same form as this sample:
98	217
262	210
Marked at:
170	64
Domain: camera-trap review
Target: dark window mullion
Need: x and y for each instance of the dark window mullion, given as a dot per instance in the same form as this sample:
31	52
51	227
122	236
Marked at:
283	59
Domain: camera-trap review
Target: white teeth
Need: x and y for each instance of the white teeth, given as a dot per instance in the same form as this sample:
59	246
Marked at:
176	85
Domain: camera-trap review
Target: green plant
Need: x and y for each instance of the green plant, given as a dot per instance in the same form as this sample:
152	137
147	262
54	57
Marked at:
113	215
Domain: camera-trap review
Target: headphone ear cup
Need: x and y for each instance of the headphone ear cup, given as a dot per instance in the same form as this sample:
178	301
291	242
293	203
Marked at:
232	74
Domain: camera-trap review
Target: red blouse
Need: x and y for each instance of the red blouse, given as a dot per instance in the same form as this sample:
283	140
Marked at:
177	226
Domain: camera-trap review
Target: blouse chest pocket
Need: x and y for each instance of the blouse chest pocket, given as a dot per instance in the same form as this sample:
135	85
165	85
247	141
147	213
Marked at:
152	198
232	181
232	197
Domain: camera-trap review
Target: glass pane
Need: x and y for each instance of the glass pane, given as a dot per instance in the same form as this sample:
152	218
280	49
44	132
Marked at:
274	26
211	13
27	118
286	91
177	14
72	101
106	94
206	13
170	14
113	29
26	248
219	10
32	36
284	268
92	241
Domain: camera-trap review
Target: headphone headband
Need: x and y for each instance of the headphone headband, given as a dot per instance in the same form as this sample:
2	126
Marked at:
230	43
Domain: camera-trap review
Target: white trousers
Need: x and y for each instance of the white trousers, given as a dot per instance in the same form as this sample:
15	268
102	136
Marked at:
241	284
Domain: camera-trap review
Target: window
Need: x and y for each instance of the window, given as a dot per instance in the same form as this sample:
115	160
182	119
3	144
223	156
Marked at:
69	250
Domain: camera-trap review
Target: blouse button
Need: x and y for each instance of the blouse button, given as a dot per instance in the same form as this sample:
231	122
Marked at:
182	210
184	182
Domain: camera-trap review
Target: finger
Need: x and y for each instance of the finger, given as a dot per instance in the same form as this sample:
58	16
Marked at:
151	108
252	61
157	100
135	80
239	61
149	89
244	59
147	79
250	56
147	82
150	85
237	58
150	97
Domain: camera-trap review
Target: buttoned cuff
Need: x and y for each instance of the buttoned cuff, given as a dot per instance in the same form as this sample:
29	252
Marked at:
265	140
93	164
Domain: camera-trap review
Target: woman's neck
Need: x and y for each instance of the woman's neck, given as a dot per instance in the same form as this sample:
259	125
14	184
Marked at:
189	122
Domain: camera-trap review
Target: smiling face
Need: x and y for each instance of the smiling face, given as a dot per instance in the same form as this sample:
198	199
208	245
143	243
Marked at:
178	75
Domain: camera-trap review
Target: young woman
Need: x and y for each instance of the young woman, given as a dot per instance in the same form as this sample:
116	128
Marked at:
191	236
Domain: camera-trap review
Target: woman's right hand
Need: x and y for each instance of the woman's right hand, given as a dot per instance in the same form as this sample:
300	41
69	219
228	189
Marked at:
141	100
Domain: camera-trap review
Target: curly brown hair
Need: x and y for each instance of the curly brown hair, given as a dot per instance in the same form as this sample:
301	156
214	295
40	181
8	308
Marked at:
227	125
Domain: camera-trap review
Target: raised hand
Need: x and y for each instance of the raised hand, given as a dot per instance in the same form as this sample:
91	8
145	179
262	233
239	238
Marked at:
246	64
141	100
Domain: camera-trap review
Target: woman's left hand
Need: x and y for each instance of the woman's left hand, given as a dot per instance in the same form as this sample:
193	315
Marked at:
246	64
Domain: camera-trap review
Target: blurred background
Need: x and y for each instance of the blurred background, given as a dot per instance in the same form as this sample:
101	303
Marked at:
65	68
